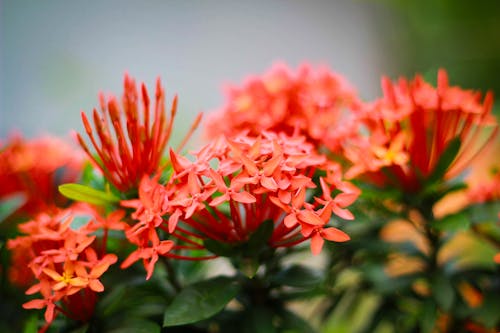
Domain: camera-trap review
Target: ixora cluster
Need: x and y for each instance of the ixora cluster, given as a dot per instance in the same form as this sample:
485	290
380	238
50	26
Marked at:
328	211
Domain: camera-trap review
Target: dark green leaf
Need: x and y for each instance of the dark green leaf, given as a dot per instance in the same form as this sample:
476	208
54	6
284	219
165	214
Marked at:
200	301
298	276
218	248
452	222
445	160
259	320
443	292
84	193
113	300
428	316
294	323
136	325
489	312
81	329
261	236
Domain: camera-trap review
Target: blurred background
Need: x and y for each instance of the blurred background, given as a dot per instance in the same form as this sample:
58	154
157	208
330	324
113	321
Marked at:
55	56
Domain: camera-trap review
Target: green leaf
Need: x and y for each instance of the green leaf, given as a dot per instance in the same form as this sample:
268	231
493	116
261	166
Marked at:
260	237
218	248
31	325
443	292
445	160
259	319
84	193
298	276
136	325
483	212
294	323
452	222
200	301
428	316
489	312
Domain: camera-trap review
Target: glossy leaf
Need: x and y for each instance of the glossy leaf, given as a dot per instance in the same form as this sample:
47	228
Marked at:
200	301
84	193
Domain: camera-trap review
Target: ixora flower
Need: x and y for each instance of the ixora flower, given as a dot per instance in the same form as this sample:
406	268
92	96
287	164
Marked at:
34	168
130	141
310	101
62	261
232	190
414	125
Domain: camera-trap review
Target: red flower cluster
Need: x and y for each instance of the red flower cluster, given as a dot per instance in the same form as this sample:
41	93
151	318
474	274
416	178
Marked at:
34	169
232	187
139	140
63	261
311	102
411	127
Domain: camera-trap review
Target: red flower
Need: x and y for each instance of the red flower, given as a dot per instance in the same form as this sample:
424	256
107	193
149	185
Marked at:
235	185
130	140
310	101
411	127
34	169
62	262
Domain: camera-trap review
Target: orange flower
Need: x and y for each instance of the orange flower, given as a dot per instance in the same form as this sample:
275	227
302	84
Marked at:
67	279
62	262
411	127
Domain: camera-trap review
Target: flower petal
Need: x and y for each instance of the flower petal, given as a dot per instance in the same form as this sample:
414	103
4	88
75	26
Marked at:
335	235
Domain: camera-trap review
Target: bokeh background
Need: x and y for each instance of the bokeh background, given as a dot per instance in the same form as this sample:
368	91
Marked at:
57	55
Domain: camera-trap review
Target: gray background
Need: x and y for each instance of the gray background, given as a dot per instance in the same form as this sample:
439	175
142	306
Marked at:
57	55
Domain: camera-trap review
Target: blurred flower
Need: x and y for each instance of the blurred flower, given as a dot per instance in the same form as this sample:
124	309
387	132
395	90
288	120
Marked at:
310	102
34	169
411	127
486	191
